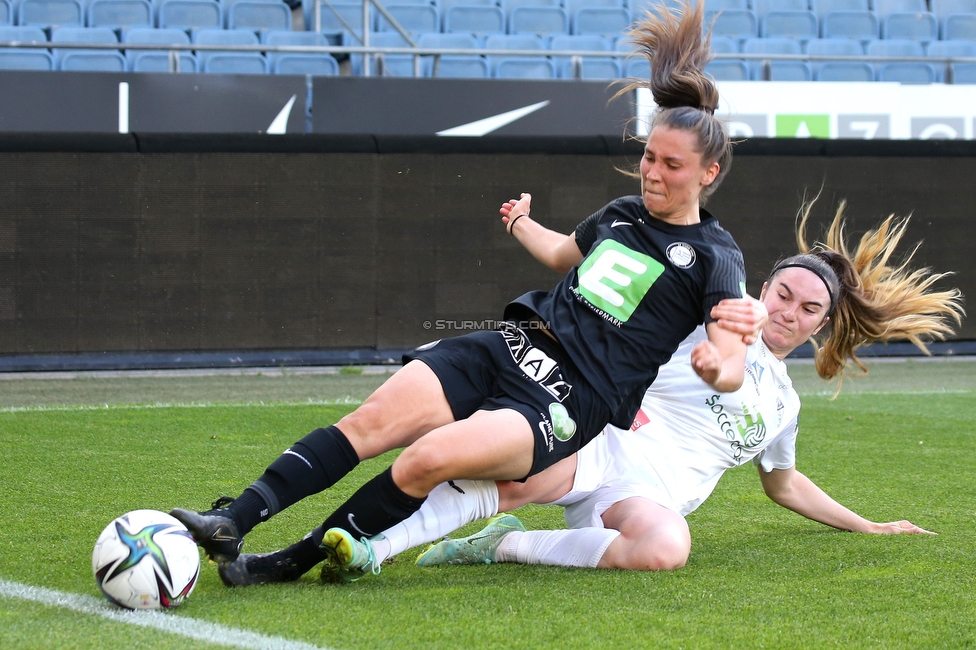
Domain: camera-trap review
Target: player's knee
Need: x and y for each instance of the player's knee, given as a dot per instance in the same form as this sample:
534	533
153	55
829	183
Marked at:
365	428
421	467
665	550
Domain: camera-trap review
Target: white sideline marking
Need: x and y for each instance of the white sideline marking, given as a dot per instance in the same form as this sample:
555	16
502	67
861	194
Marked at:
179	625
176	405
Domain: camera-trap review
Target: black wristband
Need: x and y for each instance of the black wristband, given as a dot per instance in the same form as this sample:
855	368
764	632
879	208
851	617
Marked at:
511	224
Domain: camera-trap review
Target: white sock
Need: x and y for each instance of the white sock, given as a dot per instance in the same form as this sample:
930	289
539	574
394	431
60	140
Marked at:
447	508
579	547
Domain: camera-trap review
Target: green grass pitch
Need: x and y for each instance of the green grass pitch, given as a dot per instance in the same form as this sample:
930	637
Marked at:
899	444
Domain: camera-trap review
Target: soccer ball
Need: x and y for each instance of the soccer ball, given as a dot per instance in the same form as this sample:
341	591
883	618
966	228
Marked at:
146	559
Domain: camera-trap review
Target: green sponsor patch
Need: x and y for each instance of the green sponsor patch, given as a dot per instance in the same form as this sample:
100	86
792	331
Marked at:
563	426
615	278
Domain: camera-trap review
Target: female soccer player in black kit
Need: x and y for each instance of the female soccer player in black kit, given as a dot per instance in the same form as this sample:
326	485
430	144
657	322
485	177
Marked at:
643	273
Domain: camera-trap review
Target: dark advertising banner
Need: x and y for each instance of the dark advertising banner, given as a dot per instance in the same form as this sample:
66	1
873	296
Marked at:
83	102
459	107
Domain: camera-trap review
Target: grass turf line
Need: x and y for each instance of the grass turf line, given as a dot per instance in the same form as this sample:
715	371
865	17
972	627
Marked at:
758	574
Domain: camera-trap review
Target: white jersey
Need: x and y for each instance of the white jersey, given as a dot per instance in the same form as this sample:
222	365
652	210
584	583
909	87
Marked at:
686	435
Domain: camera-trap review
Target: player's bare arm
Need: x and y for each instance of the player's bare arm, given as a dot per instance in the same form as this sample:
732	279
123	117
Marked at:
557	251
794	491
720	360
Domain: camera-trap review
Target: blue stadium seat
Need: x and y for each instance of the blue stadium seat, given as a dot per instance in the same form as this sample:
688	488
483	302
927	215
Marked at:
120	14
236	63
155	61
728	70
389	65
572	6
964	73
190	14
414	18
92	61
523	68
512	42
221	37
86	35
22	33
902	71
590	69
944	8
777	69
824	7
509	5
734	23
453	65
543	21
724	5
763	7
51	13
473	19
338	19
949	49
886	7
859	25
605	21
317	65
724	45
6	13
447	4
258	15
921	26
638	7
959	27
790	24
844	71
24	59
637	68
582	43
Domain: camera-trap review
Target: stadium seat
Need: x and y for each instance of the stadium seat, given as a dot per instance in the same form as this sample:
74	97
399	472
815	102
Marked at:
24	59
337	18
258	15
473	19
640	6
885	7
728	70
590	69
714	6
236	63
190	14
523	68
86	35
582	43
637	68
824	7
959	27
964	73
154	36
453	65
734	23
859	25
843	71
902	71
389	65
572	6
763	7
6	14
509	5
51	13
461	67
543	21
413	18
221	37
120	14
776	69
790	24
316	64
921	27
92	61
605	21
949	49
724	45
447	4
22	33
155	61
944	8
512	42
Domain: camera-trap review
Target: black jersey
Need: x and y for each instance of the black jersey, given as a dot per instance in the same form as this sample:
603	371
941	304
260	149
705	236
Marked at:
643	286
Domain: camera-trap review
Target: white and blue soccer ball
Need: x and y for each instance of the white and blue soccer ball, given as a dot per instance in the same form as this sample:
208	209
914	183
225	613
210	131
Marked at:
146	559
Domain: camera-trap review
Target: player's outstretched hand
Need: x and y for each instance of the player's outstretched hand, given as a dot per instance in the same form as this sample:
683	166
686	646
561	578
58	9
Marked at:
707	361
513	209
746	316
900	528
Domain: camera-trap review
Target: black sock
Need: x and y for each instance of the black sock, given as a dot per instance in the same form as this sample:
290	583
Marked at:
303	555
374	507
311	465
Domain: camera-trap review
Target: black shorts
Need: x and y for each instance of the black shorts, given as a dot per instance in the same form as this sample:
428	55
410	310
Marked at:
529	373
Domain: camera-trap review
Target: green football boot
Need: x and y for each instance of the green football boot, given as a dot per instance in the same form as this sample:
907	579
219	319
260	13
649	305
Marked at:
479	548
350	559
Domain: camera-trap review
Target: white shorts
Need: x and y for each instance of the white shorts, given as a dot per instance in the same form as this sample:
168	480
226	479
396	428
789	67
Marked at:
602	481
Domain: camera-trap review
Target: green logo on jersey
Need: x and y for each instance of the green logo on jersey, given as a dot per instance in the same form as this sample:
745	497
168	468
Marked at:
753	430
563	426
615	279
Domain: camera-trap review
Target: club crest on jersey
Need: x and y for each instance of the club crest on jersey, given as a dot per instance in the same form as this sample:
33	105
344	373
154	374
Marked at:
682	255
